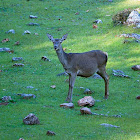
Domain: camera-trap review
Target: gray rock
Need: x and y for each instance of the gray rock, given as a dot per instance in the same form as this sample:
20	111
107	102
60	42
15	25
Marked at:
17	58
27	32
133	18
61	74
85	110
4	49
50	133
119	73
33	24
67	105
45	58
96	76
30	87
109	125
32	17
86	101
27	96
87	91
135	67
31	119
18	65
11	31
6	98
98	21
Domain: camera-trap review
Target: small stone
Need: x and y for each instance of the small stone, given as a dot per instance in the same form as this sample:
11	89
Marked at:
27	96
17	58
21	139
53	86
86	101
30	87
85	110
4	49
33	24
98	21
17	43
27	32
45	58
32	17
67	105
135	67
31	119
87	91
138	97
63	73
11	31
109	125
18	65
6	98
96	76
5	40
50	133
77	13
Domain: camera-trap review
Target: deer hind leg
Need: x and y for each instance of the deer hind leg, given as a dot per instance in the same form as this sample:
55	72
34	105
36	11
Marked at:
103	74
72	78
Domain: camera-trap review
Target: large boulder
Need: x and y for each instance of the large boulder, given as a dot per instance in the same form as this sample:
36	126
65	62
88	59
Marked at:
133	18
87	101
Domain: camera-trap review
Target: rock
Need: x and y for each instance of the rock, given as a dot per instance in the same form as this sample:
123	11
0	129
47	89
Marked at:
97	21
109	125
31	119
133	35
17	43
53	86
45	58
85	110
33	24
119	73
18	65
5	40
63	73
4	49
27	32
121	17
50	133
30	87
86	101
87	91
11	31
96	76
133	18
138	97
21	139
17	58
6	98
27	96
135	67
32	17
67	105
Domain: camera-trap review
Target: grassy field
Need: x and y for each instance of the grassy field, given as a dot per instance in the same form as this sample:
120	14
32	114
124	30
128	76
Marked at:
58	18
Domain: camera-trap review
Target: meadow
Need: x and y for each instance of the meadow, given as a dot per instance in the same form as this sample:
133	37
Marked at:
75	18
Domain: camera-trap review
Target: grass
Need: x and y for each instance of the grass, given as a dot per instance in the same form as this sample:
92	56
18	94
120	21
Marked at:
68	124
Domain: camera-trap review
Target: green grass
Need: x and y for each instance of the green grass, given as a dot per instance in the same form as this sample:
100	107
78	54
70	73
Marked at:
68	124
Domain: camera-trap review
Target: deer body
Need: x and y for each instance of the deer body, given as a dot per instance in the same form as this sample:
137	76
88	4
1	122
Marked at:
81	64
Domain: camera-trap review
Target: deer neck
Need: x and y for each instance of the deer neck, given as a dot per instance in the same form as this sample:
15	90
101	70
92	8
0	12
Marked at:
62	57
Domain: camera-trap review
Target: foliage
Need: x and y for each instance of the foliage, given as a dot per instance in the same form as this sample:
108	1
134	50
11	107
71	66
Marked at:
57	18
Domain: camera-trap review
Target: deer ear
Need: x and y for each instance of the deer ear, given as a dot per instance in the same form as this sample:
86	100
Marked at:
50	37
64	37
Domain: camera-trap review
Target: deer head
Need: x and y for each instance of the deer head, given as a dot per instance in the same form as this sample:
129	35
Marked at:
57	42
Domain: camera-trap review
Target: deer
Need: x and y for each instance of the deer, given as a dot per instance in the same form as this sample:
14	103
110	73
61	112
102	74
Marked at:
81	64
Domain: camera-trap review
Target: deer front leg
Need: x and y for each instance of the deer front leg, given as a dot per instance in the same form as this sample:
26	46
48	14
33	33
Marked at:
72	78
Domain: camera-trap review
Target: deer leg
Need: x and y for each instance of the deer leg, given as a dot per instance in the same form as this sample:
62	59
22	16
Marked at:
103	74
72	78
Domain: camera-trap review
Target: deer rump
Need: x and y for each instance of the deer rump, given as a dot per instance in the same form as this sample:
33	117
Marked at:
87	63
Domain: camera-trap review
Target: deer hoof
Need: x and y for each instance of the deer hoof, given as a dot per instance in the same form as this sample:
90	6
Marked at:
68	100
106	97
